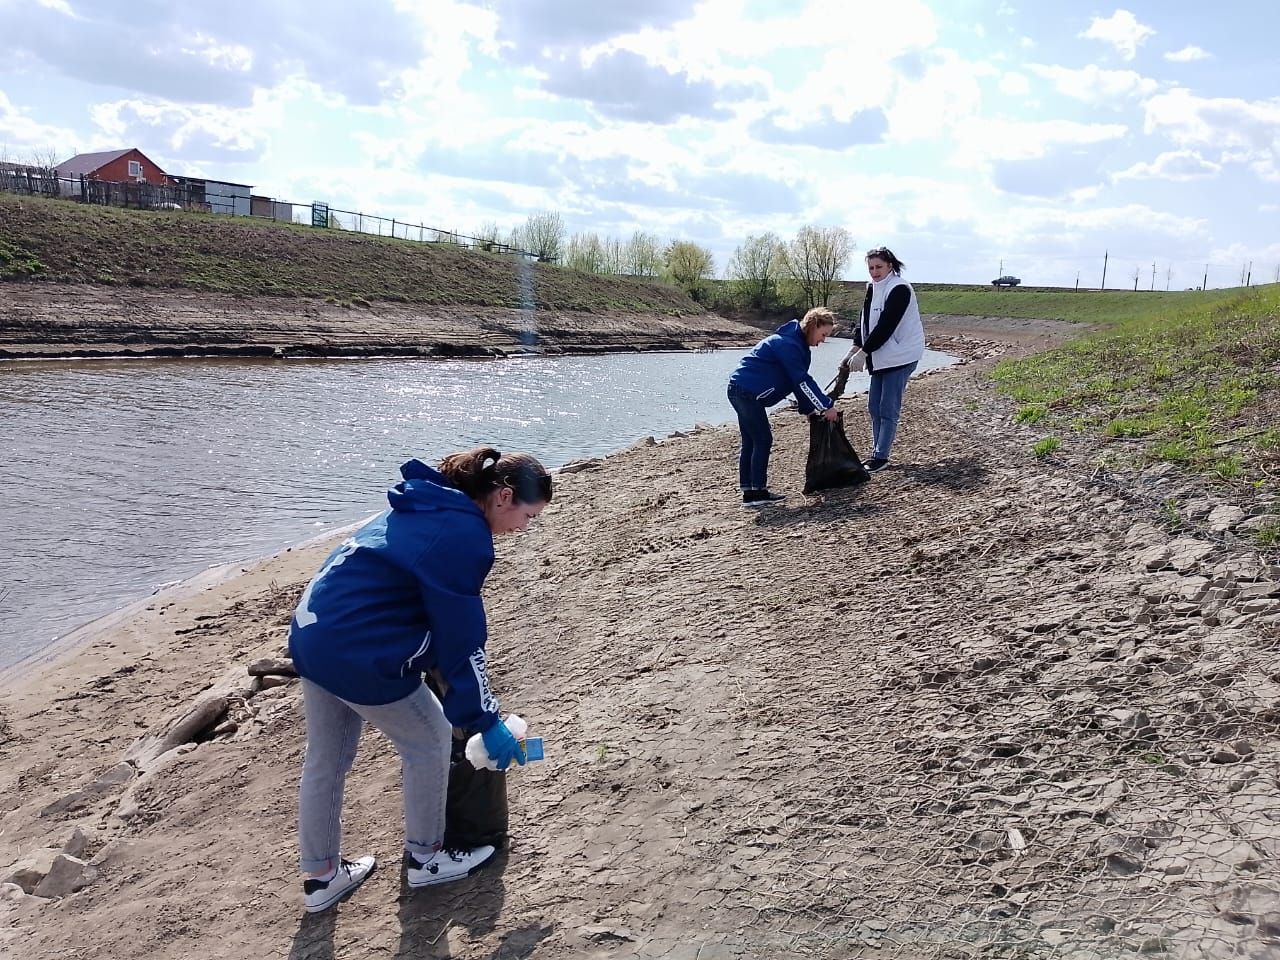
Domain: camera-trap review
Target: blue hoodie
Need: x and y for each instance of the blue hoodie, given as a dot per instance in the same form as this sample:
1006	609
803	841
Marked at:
779	365
402	596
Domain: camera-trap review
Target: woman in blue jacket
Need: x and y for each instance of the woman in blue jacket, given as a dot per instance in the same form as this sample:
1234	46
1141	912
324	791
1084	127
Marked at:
776	367
399	598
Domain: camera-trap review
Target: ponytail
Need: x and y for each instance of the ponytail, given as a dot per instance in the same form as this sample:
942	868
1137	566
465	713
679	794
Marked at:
479	472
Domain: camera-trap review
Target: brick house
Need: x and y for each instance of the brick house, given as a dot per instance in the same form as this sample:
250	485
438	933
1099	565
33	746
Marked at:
130	165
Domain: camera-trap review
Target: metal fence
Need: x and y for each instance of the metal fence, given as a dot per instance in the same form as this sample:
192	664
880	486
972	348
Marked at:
192	195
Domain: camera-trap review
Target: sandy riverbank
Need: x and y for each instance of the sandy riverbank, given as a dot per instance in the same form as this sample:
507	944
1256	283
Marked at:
983	704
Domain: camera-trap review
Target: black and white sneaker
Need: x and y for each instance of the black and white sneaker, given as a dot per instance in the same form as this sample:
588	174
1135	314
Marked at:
761	498
446	865
875	464
323	894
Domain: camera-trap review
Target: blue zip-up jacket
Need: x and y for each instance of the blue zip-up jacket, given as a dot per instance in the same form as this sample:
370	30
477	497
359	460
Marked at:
402	596
779	365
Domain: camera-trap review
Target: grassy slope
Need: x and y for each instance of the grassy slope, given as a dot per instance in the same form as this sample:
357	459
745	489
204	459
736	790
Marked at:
64	242
1198	385
1079	306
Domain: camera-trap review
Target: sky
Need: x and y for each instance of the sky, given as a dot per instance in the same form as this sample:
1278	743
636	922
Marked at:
973	137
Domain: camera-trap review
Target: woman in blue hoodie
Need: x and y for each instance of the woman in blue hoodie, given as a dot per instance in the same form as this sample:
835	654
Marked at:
399	598
778	366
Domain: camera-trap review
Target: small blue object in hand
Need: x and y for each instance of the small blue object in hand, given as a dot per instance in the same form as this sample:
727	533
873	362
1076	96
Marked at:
502	746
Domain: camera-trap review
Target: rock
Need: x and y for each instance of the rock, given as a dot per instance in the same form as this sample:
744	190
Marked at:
75	843
577	466
30	870
602	934
1123	853
1223	754
1198	508
272	667
276	681
1152	558
109	783
1186	553
1224	518
1143	535
11	891
65	877
1261	606
1258	591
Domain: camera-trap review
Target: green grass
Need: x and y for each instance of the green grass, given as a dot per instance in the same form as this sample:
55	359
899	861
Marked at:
1198	386
1083	306
58	241
1045	447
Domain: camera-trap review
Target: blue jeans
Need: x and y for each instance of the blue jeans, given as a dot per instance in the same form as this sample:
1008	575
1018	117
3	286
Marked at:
757	439
884	403
416	727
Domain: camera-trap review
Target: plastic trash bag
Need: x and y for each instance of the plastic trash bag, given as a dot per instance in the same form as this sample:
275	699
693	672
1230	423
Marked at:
476	810
832	460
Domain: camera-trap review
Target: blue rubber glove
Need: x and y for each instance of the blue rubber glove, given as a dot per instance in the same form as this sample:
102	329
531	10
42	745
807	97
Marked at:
502	746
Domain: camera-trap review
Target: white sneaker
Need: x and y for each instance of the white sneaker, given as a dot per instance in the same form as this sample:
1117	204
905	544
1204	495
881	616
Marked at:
446	865
323	894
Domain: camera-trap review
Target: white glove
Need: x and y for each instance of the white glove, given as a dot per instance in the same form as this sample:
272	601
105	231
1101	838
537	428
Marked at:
855	360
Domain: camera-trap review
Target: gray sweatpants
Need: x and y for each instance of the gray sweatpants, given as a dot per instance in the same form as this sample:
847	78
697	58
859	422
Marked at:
416	726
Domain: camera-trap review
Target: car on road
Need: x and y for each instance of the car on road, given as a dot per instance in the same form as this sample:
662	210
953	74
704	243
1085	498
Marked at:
1005	281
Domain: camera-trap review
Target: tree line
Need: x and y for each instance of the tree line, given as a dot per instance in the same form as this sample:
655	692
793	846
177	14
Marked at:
764	273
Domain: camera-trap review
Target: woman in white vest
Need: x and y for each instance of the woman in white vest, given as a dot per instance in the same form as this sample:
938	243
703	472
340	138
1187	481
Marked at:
889	342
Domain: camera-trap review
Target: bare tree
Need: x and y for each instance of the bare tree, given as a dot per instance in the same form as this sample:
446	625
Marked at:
614	256
45	160
487	237
643	257
815	259
586	253
543	235
755	268
689	266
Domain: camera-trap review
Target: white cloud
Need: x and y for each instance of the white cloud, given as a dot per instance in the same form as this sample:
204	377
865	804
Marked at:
1121	30
1014	85
1186	54
1179	165
1222	123
1092	84
21	136
1002	139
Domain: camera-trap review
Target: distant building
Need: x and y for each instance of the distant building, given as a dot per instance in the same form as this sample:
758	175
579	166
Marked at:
114	166
217	196
133	168
271	209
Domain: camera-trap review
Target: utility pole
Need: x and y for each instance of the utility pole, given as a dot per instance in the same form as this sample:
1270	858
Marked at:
1104	270
1153	275
1168	275
1205	284
1137	272
1248	280
1000	272
1078	278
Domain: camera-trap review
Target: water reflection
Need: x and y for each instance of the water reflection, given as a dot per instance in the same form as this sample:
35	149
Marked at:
121	475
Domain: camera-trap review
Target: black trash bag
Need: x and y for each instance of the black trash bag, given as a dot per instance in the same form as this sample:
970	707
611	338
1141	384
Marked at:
832	460
476	811
476	804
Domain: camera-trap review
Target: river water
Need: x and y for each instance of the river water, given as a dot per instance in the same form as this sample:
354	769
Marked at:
121	475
